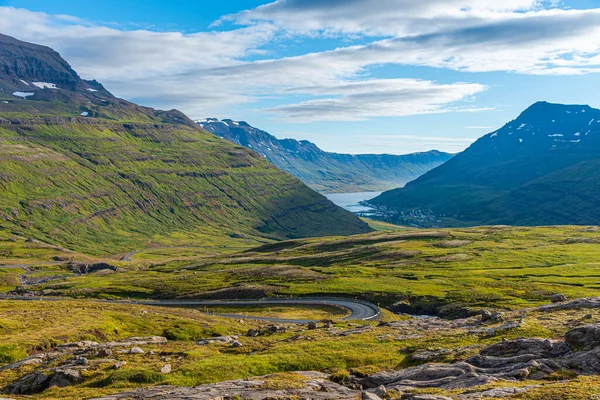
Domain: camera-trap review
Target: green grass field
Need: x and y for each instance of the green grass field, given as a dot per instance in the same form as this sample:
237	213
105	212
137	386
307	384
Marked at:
465	268
441	271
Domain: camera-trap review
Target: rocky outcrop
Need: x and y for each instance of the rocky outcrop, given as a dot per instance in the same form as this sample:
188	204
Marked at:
509	360
590	302
37	382
83	268
315	386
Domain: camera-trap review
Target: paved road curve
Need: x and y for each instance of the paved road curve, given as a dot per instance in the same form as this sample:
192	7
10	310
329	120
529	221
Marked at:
359	310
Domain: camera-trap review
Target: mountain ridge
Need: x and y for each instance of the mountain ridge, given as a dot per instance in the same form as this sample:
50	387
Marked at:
547	147
324	171
85	170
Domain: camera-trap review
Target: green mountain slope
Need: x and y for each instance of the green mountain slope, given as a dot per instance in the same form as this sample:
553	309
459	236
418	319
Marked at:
540	169
329	172
83	169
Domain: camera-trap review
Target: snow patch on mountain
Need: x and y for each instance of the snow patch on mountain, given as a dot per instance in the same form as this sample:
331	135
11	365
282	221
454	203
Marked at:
45	85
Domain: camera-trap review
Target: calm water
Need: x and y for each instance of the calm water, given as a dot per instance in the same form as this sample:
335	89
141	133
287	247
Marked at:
350	201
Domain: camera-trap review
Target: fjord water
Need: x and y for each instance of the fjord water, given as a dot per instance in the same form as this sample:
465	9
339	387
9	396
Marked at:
351	201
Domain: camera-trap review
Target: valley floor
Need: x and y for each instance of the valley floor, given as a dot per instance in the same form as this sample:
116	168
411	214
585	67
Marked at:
450	273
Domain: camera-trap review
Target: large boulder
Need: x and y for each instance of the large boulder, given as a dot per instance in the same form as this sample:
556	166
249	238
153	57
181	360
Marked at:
539	347
558	298
584	338
37	382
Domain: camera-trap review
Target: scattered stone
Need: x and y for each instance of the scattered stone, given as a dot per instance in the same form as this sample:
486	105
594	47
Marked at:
105	353
355	331
81	361
253	333
136	350
380	391
312	325
235	343
497	393
584	338
486	315
119	364
370	396
84	344
430	355
558	298
166	369
383	324
328	325
424	397
218	339
315	386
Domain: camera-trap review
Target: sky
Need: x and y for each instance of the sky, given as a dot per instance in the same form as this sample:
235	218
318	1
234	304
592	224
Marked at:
352	76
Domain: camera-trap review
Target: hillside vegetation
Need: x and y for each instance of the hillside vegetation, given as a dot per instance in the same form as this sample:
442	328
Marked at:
82	169
445	272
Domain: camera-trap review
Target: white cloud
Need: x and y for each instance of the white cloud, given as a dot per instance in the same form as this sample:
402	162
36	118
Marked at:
206	73
354	101
384	17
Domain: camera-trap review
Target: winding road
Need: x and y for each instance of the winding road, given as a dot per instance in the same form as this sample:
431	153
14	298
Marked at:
359	310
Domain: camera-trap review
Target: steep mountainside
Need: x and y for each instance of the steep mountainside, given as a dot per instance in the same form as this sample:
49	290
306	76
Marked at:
328	172
540	169
83	169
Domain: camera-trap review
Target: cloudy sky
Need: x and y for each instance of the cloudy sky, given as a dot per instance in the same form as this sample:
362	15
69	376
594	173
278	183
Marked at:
357	76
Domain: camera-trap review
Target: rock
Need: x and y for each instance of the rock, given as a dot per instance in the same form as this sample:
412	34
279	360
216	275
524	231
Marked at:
430	355
147	340
584	338
81	361
355	331
558	298
84	344
585	303
370	396
486	315
424	397
37	382
328	325
136	350
235	343
166	369
312	325
497	393
383	324
539	347
252	333
104	353
380	391
119	364
218	339
312	385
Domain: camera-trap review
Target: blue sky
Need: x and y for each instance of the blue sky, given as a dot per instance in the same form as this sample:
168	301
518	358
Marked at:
357	76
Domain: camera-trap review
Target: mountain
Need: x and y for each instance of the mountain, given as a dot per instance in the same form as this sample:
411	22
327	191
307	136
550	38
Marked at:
85	170
543	168
328	172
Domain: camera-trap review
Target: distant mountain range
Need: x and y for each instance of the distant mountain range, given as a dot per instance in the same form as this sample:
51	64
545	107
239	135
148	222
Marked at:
543	168
328	172
85	170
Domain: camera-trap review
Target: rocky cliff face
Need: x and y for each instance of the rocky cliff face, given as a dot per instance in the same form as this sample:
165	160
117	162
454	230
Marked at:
23	63
328	172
